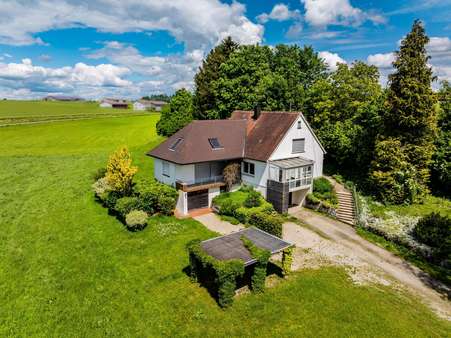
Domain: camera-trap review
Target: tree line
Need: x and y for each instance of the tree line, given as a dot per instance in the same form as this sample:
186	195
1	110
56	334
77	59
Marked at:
394	141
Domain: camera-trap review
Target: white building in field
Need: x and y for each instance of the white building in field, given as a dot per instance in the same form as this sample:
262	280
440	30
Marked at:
278	152
149	105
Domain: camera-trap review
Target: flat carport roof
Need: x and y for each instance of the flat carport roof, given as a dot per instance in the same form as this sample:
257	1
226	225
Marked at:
232	247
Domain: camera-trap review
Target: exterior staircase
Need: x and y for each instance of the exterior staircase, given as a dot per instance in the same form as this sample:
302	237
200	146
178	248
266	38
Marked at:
346	209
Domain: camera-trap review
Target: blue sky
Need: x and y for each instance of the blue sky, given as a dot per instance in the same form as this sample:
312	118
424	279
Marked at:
101	48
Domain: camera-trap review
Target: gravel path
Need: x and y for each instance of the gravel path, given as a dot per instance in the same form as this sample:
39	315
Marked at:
365	261
325	242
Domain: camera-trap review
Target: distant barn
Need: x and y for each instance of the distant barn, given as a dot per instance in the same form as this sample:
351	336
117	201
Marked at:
149	105
114	103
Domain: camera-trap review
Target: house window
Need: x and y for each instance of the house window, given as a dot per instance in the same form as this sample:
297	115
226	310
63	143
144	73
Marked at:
299	124
166	169
248	168
298	145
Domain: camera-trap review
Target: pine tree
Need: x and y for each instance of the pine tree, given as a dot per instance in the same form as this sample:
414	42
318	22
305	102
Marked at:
204	96
410	113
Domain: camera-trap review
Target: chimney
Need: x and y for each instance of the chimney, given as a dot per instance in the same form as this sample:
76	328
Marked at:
257	111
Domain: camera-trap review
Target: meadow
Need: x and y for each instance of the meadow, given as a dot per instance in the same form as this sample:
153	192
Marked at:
68	269
26	112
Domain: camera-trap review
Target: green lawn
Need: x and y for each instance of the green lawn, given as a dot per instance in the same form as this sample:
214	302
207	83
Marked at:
68	269
15	112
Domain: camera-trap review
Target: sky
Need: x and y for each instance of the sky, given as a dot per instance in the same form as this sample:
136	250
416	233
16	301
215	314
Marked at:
114	48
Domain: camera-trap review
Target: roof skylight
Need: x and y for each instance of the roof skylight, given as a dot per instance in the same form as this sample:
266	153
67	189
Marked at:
214	142
175	144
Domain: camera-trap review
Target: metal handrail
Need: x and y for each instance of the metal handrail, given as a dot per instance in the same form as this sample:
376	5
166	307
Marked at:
203	180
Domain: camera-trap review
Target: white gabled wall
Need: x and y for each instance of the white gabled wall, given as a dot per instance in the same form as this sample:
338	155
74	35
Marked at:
313	150
183	173
259	179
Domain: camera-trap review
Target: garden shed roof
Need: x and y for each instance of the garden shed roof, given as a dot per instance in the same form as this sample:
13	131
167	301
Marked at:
232	247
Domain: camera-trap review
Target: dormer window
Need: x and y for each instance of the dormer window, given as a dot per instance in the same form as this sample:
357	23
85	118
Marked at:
175	144
299	124
214	143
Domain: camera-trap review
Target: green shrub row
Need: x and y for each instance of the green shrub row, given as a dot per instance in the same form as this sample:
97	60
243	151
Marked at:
287	260
225	273
261	215
134	208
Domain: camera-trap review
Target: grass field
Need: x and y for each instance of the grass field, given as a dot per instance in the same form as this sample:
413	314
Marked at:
68	269
26	112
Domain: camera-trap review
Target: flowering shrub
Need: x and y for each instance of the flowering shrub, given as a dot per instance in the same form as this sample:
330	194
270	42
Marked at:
101	186
394	227
136	219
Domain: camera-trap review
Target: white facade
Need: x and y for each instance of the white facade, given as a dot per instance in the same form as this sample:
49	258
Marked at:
106	105
169	173
313	151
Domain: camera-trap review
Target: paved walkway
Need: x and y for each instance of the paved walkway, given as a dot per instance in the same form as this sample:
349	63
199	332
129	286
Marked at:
342	240
214	223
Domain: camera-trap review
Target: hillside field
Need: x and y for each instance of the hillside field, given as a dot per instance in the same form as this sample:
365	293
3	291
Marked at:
68	269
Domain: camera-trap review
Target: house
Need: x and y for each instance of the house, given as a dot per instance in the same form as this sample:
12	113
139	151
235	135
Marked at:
149	105
278	151
114	103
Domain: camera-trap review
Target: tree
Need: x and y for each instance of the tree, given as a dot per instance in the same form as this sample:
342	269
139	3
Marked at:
441	165
231	174
157	97
250	75
344	110
204	95
177	114
120	172
409	115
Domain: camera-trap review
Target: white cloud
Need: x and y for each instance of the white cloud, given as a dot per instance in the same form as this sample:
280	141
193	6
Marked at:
280	12
381	60
331	59
439	48
198	24
294	31
35	81
322	13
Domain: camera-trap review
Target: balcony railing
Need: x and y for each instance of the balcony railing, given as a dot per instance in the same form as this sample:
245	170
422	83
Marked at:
202	181
294	184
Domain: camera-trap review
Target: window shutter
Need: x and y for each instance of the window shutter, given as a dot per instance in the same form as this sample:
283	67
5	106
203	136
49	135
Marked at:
298	145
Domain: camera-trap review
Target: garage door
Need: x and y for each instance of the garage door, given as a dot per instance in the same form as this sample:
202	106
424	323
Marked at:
197	199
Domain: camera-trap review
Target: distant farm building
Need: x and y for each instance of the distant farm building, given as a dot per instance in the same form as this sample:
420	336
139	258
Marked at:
114	103
62	98
149	105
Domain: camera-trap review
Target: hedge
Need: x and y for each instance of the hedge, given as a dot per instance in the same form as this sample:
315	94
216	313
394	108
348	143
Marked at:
259	274
271	223
287	260
226	272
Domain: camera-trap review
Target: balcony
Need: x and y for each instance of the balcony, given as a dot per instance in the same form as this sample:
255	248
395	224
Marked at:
296	173
200	183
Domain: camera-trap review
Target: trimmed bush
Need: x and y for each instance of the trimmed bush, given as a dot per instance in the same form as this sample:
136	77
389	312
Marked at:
253	199
126	204
110	198
259	274
156	197
228	207
101	186
435	230
312	199
271	223
136	219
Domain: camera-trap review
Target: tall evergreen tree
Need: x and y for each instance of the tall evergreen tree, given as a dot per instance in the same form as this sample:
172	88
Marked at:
204	96
409	115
